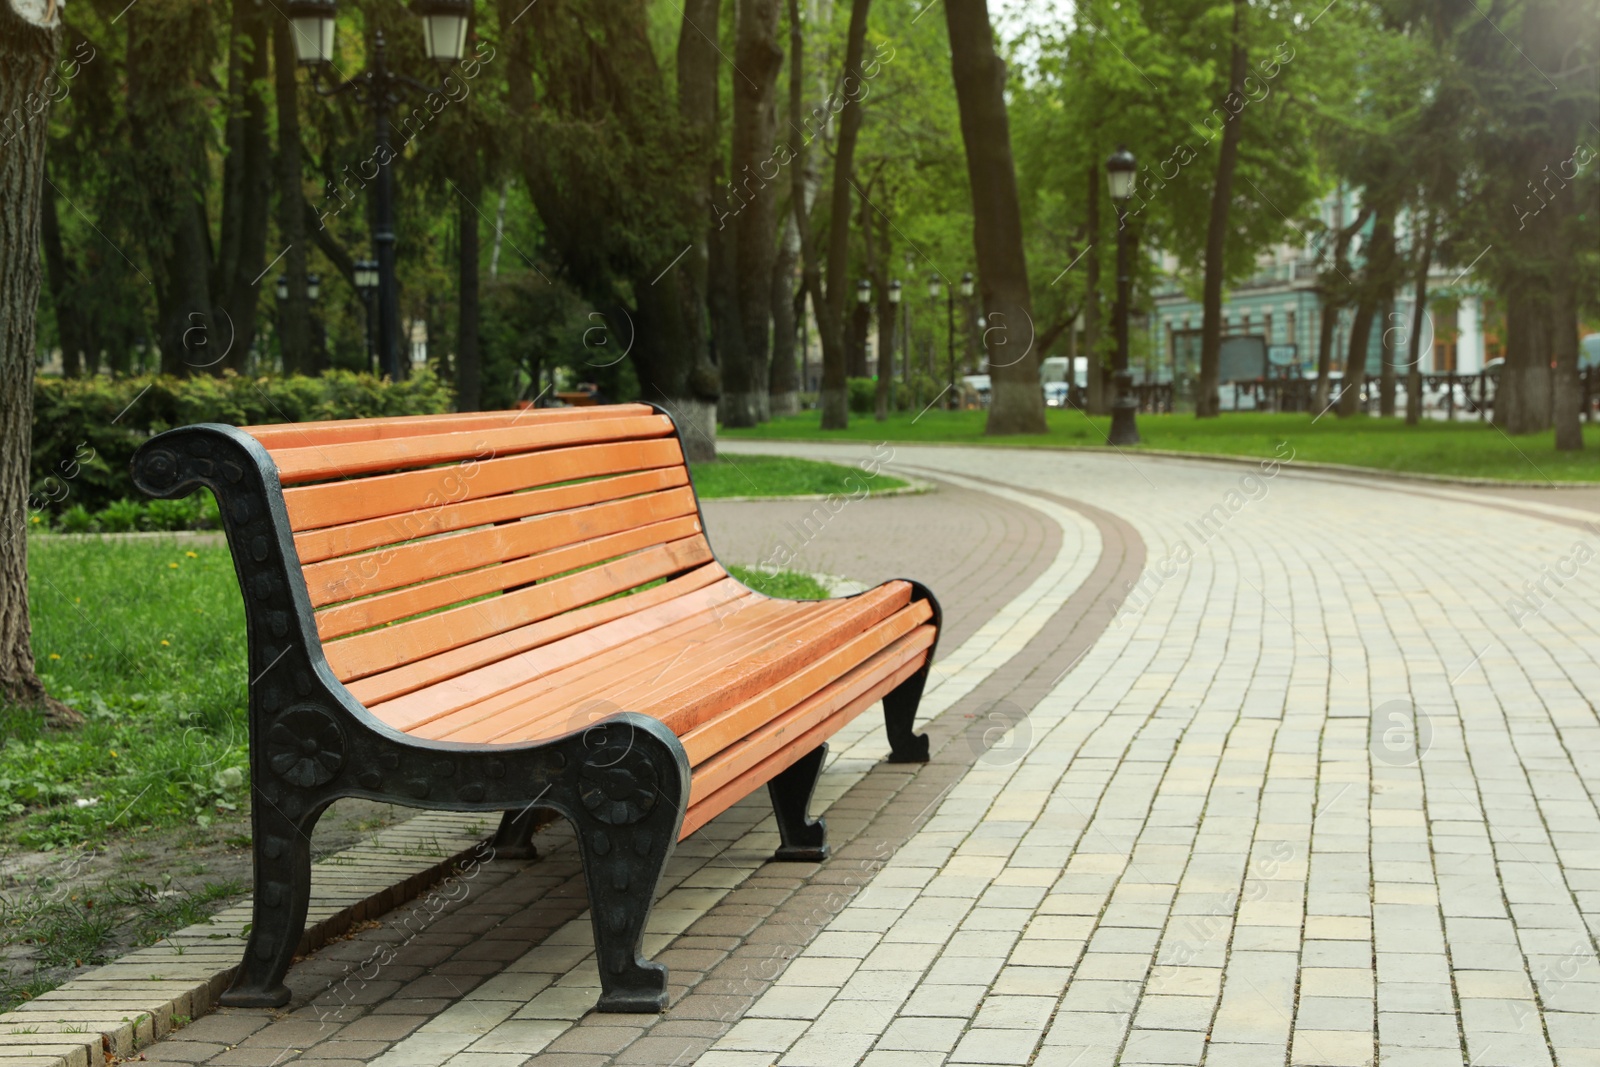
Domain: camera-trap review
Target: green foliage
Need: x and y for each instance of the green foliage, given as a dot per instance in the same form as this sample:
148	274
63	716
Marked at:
863	394
87	429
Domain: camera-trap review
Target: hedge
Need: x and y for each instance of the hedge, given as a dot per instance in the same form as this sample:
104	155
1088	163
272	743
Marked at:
85	430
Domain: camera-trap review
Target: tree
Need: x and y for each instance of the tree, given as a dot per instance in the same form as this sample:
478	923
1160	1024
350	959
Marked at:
757	60
841	289
30	38
1017	402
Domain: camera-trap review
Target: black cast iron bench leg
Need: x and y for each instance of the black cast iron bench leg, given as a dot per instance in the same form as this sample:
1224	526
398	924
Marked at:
804	839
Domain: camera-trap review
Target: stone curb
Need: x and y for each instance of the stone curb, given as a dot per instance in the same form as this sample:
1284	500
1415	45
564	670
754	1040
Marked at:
1209	457
127	1004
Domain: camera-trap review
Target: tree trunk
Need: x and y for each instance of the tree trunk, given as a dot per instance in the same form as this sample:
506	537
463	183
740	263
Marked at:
1329	320
841	289
1205	401
783	388
62	274
1419	318
294	314
246	192
1016	402
1567	406
884	367
697	106
1522	403
1355	364
1376	290
830	335
757	60
1386	376
469	366
1095	384
28	47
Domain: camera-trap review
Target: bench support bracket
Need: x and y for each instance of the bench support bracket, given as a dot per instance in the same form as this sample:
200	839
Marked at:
514	839
804	839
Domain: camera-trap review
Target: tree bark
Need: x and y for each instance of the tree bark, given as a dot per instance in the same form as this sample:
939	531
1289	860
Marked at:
1419	318
757	60
30	38
246	192
698	108
1522	403
830	334
884	368
1094	372
783	387
1376	290
1355	364
1016	402
294	314
1205	402
1386	367
841	289
1566	404
469	365
1328	321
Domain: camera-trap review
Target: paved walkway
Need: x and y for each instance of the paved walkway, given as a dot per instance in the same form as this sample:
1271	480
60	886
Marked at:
1321	792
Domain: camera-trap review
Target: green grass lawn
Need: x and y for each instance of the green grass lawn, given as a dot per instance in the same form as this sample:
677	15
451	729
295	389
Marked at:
782	476
1464	449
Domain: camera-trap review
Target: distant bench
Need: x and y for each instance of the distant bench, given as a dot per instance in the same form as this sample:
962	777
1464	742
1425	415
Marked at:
504	611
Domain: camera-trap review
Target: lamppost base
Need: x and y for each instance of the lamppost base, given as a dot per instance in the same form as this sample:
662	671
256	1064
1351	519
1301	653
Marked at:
1124	430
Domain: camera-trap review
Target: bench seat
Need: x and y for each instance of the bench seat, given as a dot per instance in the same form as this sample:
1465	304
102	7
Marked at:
520	610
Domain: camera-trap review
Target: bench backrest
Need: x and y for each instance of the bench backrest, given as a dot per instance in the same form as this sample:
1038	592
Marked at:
433	544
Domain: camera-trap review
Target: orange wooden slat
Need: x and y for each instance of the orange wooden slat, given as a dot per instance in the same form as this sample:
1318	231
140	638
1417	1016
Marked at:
714	651
314	546
379	495
680	535
584	675
405	642
545	706
728	764
350	577
707	729
343	460
505	656
790	739
780	659
340	431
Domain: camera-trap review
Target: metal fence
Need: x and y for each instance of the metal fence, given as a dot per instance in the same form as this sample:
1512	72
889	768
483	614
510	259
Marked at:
1444	396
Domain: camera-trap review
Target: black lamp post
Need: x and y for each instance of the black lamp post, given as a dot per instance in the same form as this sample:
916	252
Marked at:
444	24
1124	410
935	287
313	291
365	276
895	306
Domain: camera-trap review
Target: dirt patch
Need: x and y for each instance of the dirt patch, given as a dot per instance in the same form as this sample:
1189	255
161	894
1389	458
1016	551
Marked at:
66	911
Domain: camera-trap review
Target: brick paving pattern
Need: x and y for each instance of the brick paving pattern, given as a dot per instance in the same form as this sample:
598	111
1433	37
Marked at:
1201	836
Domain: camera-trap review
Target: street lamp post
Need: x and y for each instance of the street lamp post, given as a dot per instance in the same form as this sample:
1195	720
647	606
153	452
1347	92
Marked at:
366	279
1120	170
313	291
444	25
935	288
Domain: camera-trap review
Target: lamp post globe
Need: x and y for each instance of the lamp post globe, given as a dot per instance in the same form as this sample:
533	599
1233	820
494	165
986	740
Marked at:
444	27
311	24
1120	171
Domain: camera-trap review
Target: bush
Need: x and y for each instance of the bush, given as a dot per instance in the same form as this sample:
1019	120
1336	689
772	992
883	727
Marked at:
85	430
863	395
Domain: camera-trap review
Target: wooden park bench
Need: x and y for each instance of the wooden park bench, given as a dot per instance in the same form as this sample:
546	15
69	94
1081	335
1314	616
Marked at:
519	610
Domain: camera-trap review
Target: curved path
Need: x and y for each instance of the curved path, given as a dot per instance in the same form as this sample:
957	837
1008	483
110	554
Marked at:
1198	832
